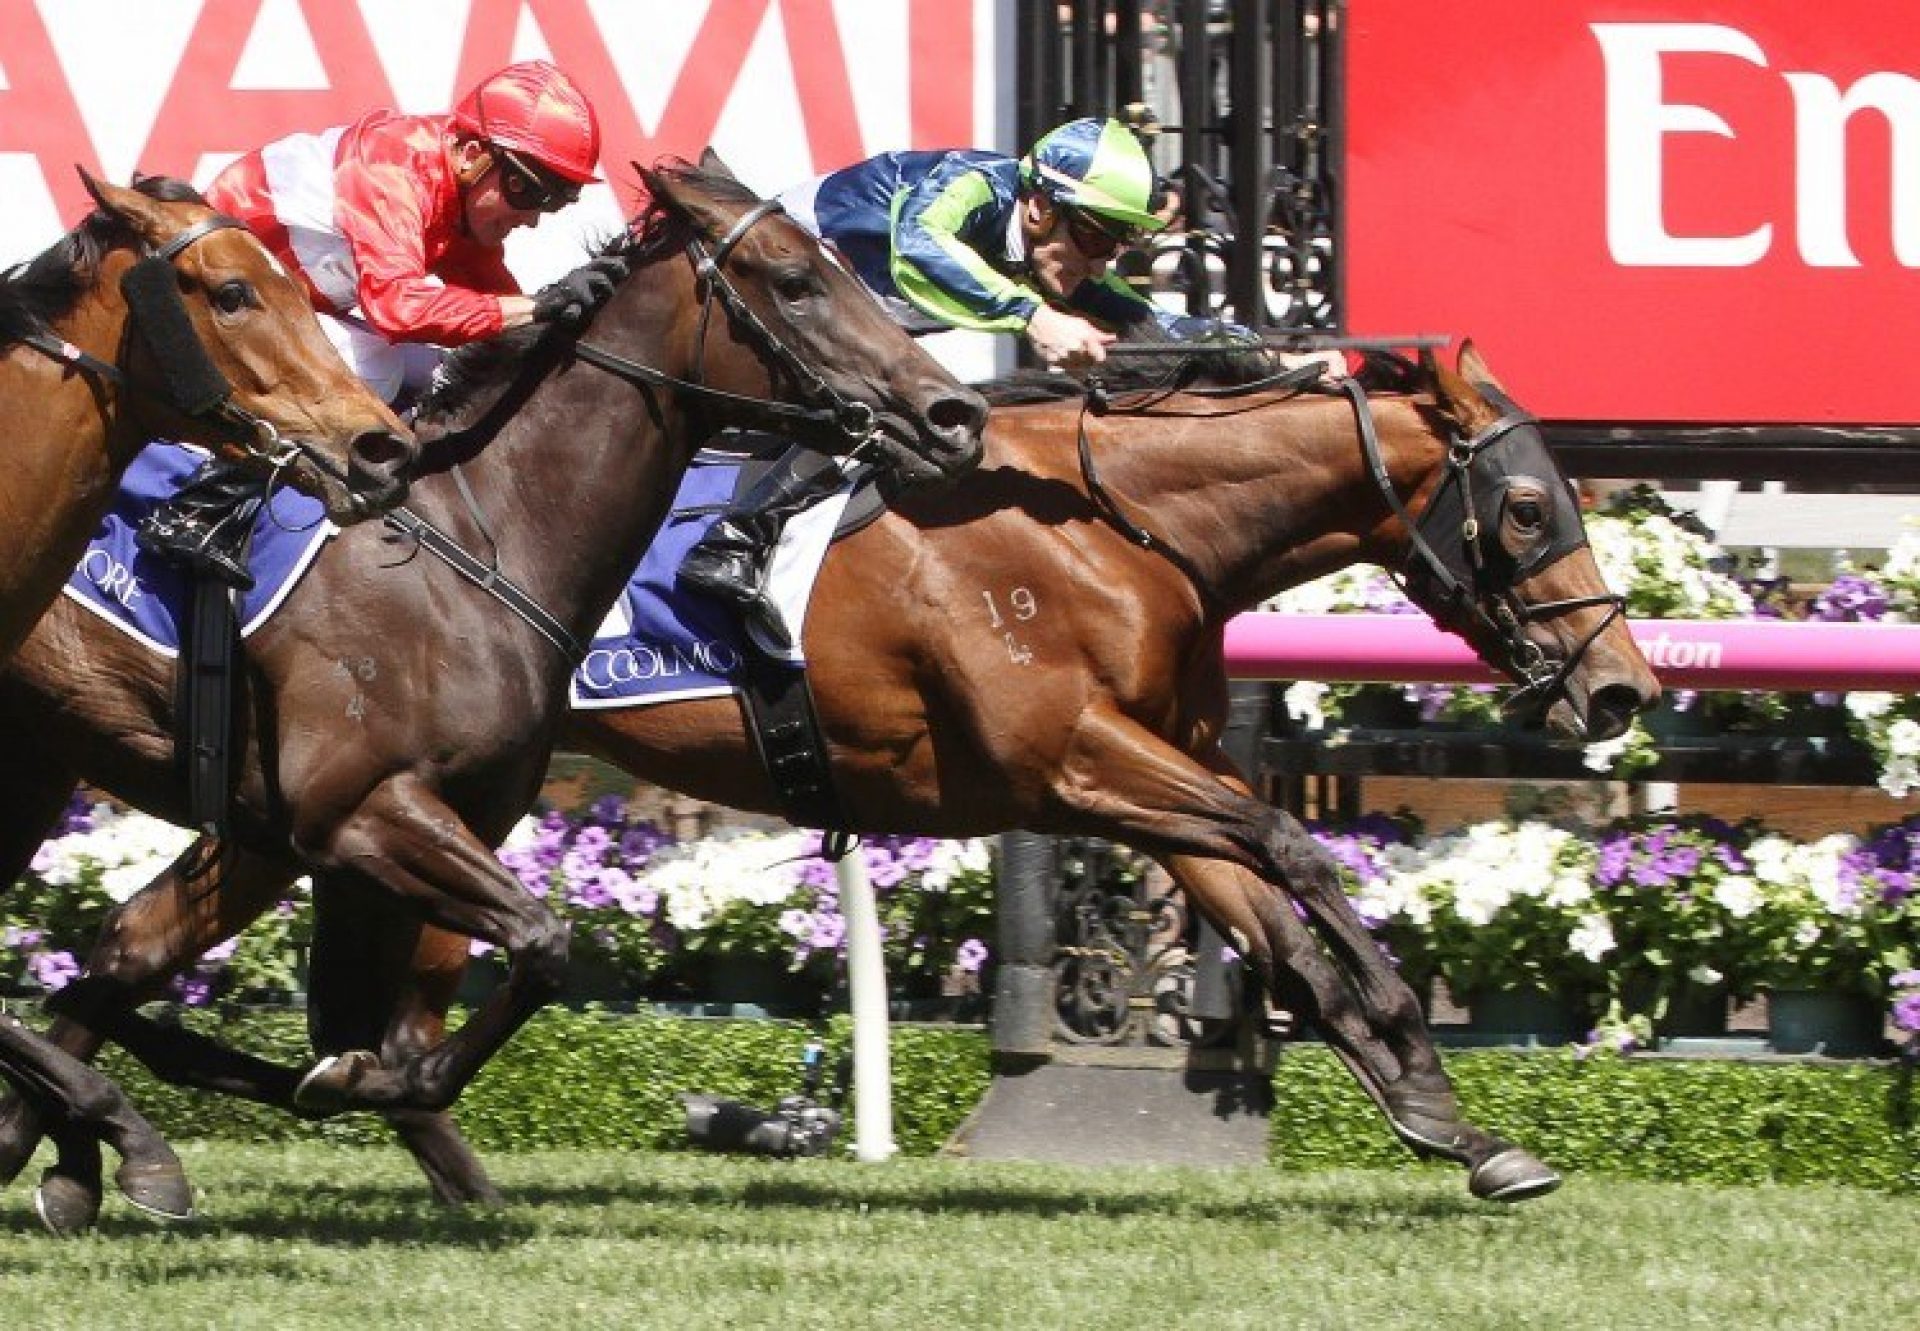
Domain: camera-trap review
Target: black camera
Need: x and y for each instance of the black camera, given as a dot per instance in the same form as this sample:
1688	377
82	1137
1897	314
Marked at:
798	1125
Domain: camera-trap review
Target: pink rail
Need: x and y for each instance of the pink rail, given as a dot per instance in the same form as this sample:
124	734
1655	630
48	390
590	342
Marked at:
1685	653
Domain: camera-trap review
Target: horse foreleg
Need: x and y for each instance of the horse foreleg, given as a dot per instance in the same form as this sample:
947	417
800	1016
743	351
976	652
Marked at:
381	978
1420	1107
1123	782
405	839
87	1107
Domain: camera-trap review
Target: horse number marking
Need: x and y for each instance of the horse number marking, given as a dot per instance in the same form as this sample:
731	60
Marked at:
1021	601
1023	605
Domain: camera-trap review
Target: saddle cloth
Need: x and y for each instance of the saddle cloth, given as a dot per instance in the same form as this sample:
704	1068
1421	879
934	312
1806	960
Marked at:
145	595
658	644
662	644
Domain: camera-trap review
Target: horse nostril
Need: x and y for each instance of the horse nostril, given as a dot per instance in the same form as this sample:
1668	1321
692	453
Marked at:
381	453
959	413
1611	709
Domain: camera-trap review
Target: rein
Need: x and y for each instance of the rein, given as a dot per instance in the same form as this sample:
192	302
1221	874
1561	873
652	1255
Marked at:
1097	402
853	420
849	418
193	385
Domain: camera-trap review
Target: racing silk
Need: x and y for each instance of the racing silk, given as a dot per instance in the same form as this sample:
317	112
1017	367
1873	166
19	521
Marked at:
941	230
369	217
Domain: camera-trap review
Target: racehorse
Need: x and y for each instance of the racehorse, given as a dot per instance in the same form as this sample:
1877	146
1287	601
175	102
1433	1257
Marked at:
155	317
397	714
1041	647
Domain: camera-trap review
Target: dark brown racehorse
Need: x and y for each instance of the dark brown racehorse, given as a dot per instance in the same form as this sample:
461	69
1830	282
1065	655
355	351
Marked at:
155	318
397	718
1013	653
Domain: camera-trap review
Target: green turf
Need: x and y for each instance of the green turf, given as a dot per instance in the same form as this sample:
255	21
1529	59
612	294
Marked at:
317	1235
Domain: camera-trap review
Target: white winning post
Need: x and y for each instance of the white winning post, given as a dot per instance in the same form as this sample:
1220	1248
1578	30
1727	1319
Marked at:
867	989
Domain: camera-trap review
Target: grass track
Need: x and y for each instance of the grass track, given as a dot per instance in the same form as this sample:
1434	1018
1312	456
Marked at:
314	1236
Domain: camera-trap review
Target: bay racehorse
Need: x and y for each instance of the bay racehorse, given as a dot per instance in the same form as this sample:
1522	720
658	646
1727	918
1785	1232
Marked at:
1041	647
155	317
396	715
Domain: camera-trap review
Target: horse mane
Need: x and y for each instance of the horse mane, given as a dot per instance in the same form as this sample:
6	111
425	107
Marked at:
1382	370
35	293
472	378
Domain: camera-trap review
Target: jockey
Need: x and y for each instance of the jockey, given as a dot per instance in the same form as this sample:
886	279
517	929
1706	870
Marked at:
962	239
396	225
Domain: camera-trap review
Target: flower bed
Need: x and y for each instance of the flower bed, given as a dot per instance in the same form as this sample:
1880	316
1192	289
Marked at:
1623	922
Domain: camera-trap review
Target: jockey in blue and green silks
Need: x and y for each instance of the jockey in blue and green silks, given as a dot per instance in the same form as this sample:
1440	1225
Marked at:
960	239
976	240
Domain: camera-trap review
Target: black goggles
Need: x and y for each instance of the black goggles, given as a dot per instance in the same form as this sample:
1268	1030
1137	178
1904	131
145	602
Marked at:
531	190
1097	236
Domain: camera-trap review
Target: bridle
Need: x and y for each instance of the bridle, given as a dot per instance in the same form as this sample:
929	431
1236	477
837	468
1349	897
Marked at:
844	417
1427	575
1459	586
191	384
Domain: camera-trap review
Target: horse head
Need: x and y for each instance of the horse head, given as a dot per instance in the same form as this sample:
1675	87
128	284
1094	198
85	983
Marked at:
1499	555
800	316
228	353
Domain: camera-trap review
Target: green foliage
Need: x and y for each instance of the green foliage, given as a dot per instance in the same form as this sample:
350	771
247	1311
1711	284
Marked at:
1701	1121
596	1080
591	1079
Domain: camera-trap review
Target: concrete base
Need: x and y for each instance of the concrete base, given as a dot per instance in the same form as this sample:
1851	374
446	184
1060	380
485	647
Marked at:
1102	1115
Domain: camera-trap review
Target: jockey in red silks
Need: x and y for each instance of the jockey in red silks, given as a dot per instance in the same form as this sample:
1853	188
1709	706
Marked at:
396	224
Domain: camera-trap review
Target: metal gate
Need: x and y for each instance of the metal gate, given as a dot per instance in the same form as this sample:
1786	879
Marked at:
1233	100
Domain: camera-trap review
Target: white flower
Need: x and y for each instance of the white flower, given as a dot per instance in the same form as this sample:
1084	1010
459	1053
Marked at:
1705	976
1592	937
1738	895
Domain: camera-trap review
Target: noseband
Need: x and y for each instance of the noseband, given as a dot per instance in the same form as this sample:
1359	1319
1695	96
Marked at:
843	416
192	384
1541	677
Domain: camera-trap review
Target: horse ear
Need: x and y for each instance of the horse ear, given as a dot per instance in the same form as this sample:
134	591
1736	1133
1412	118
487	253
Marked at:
1458	397
711	163
1473	367
130	206
677	191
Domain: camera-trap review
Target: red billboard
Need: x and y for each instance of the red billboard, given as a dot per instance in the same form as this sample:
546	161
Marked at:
1689	211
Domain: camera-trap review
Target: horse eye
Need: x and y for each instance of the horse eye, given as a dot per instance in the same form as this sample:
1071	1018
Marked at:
232	297
794	285
1528	512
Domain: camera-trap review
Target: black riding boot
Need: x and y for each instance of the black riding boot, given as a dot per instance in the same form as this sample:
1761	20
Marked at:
208	523
732	560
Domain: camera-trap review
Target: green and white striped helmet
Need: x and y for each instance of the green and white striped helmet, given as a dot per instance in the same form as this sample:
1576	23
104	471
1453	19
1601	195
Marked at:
1097	167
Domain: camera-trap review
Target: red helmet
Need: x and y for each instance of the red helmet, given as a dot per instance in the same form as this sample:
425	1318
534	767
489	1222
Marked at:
533	108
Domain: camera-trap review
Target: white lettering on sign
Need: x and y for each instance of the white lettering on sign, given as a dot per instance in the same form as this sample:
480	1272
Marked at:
1639	119
1669	653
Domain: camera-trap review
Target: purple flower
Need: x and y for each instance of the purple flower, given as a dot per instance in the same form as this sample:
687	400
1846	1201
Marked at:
971	955
52	970
194	990
1906	1010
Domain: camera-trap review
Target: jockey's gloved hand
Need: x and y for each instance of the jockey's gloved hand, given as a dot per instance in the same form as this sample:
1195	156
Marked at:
573	297
1199	328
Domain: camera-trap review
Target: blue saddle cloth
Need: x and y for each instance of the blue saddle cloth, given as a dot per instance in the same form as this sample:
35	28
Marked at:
661	644
146	595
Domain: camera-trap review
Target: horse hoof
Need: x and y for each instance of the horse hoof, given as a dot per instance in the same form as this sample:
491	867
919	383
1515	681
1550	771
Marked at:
331	1086
65	1205
1512	1175
158	1187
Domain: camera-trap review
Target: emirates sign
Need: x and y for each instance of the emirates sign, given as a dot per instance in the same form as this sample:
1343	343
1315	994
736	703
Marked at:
1703	211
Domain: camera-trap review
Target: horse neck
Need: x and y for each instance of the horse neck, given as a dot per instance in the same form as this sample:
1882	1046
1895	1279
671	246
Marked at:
69	439
1262	497
576	481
